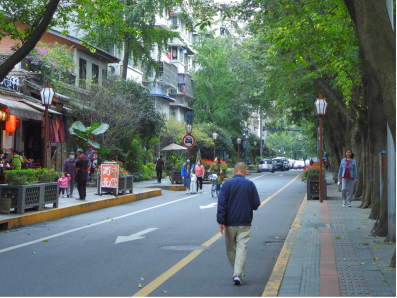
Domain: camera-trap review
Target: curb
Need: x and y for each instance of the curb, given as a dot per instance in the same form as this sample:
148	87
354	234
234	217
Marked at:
168	187
55	213
274	283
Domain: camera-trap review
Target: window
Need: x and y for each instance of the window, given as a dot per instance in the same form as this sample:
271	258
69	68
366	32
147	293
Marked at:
95	73
172	112
174	53
82	72
174	20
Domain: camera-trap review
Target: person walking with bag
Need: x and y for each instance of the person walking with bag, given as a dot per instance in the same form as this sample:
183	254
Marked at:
186	173
159	168
81	173
348	175
200	170
216	168
236	202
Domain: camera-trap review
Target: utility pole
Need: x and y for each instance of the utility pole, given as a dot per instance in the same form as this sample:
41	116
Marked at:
260	136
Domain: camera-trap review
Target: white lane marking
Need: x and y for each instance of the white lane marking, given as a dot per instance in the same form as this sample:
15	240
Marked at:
209	206
91	225
258	177
281	175
121	239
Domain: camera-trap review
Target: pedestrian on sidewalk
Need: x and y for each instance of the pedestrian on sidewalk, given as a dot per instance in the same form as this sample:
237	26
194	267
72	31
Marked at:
199	170
236	202
348	175
63	183
159	168
216	168
81	173
186	174
69	167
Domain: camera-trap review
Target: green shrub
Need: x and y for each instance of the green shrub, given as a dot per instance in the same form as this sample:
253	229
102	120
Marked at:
30	176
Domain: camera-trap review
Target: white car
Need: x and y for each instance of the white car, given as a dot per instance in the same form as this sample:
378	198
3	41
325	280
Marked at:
266	165
299	164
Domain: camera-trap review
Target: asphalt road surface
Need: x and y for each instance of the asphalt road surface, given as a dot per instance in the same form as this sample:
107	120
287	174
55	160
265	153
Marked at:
174	248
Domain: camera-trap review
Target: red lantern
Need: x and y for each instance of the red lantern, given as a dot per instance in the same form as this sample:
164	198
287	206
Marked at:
11	124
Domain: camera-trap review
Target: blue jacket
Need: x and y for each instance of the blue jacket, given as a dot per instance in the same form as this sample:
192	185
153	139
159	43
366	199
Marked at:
184	171
237	200
352	168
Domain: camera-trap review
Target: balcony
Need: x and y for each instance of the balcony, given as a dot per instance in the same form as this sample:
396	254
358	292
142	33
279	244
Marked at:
185	85
168	75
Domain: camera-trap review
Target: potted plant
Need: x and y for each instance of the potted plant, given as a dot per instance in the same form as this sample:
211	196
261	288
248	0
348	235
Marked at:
311	175
30	189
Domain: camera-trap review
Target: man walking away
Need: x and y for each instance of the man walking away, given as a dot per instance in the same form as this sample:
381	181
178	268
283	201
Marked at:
237	200
69	167
159	168
81	173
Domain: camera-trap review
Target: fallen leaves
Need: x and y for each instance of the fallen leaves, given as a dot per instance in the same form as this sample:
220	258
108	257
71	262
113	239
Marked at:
142	278
290	223
164	291
45	241
139	286
362	263
316	228
337	237
33	252
374	262
375	248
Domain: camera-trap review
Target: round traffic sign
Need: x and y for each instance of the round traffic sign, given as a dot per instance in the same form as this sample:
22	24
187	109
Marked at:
188	141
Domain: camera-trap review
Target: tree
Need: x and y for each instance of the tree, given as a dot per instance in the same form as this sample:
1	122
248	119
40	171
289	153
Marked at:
134	32
27	20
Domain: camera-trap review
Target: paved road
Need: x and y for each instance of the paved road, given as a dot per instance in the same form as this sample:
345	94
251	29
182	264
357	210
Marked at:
81	258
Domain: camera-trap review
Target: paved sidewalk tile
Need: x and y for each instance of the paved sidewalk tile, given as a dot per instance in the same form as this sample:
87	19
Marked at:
362	260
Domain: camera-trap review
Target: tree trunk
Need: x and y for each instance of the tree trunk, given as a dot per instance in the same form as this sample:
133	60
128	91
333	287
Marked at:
382	229
127	45
393	260
29	44
378	42
359	187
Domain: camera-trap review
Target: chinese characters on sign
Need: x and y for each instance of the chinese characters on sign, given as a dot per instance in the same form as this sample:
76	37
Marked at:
109	176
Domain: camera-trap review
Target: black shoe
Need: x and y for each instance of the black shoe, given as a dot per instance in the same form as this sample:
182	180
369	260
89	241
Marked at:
68	196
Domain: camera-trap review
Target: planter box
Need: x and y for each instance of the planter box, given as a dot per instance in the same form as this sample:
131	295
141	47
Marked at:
175	177
313	189
31	196
125	184
5	205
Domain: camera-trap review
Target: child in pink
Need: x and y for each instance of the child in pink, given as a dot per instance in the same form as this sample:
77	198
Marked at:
63	183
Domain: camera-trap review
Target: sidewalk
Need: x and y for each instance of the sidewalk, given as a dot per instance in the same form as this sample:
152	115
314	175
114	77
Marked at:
329	252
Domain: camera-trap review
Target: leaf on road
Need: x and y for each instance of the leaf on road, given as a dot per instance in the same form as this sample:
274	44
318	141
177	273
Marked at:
344	259
28	234
274	257
288	252
33	252
302	213
142	278
374	262
388	269
164	291
297	236
316	228
343	236
68	216
7	231
344	227
337	237
243	274
314	214
16	230
365	243
375	248
82	236
362	263
139	286
290	223
276	237
375	258
383	281
45	240
44	224
348	265
390	242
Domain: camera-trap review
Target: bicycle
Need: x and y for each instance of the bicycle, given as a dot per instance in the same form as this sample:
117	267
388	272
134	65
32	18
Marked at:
214	185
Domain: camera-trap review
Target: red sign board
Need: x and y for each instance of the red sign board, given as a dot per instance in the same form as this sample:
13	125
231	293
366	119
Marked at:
188	141
110	176
18	122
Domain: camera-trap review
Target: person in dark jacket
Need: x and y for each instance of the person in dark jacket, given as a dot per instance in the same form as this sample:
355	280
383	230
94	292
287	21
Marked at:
69	167
81	173
159	168
237	200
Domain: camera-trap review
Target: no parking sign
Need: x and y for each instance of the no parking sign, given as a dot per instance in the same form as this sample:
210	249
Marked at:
188	141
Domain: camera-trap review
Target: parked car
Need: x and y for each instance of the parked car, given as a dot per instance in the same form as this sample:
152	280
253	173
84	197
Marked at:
265	165
291	163
299	164
286	164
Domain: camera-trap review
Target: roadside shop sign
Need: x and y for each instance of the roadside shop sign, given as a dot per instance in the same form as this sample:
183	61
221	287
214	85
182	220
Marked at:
188	141
110	176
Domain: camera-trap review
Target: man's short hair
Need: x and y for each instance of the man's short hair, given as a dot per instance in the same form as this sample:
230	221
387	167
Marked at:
80	150
161	155
240	166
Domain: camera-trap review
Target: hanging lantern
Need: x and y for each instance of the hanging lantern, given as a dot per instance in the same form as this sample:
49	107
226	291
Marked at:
11	124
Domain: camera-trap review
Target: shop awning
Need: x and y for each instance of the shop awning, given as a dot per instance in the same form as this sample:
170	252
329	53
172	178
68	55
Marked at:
38	107
21	110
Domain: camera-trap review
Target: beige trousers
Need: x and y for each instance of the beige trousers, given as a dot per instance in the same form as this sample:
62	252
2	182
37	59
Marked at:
236	239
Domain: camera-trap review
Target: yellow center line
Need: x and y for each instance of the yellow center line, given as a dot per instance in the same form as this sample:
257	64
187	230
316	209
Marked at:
190	257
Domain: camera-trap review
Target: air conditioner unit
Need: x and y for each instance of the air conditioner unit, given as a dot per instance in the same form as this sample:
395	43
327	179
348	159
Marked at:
114	69
173	91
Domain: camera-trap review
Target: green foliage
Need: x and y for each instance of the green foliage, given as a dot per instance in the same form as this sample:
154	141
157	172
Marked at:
85	135
53	61
30	176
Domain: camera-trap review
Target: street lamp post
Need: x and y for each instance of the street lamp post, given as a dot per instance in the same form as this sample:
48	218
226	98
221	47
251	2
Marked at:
255	151
189	129
245	145
238	148
263	147
214	136
272	151
47	93
321	106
